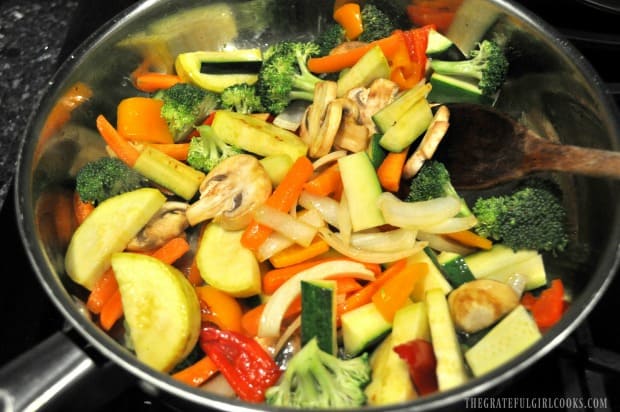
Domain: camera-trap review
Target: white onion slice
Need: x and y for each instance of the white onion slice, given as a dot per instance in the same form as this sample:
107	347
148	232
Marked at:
451	225
327	206
417	214
328	158
390	241
278	303
285	224
367	256
440	243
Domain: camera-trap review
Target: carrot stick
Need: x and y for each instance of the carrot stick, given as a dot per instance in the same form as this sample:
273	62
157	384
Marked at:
282	198
177	151
103	290
172	250
296	253
197	373
194	274
326	182
390	170
274	278
151	81
250	320
349	16
81	208
469	238
123	149
364	295
345	286
336	62
111	311
64	217
394	293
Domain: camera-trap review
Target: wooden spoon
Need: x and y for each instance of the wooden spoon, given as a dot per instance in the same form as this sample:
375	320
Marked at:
484	147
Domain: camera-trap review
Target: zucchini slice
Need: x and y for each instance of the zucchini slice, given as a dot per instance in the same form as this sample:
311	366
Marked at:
318	314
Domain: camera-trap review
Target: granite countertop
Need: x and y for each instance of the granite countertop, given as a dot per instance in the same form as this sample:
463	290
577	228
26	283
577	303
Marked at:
32	34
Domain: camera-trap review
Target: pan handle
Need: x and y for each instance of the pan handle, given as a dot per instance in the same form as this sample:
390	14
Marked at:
53	373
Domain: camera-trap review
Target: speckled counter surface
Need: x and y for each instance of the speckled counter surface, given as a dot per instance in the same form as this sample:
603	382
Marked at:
32	34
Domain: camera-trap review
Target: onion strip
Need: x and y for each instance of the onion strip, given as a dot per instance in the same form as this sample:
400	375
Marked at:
451	225
327	206
367	256
417	214
278	303
389	241
440	243
285	224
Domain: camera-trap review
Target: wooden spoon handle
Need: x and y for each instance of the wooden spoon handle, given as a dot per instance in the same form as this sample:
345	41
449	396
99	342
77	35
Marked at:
548	156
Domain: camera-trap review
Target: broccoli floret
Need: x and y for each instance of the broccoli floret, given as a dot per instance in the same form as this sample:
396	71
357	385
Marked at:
328	38
433	181
207	150
394	11
486	67
106	177
241	98
185	106
530	217
284	75
317	379
376	23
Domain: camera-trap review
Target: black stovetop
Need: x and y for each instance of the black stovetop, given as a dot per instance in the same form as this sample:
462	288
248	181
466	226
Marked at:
586	365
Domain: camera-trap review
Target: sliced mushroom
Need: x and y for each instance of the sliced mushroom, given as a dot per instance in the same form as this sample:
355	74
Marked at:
373	98
428	145
168	223
321	120
352	135
480	303
231	192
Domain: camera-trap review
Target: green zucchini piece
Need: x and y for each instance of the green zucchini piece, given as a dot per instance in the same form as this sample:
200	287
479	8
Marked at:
486	262
376	153
389	115
455	268
441	47
515	333
373	65
362	188
451	370
533	269
411	125
318	314
362	328
450	89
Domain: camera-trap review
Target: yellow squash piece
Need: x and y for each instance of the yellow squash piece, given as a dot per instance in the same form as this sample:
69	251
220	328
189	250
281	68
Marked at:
108	229
161	309
227	265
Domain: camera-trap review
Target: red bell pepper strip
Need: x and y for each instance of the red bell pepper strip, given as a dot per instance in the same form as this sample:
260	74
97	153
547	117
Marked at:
420	358
247	367
548	307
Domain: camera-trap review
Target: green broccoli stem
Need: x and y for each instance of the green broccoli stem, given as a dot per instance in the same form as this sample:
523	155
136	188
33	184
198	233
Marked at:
466	68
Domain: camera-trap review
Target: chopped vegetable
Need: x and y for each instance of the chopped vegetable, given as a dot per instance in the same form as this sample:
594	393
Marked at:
247	367
207	150
241	98
349	16
486	67
548	307
317	379
391	169
185	106
422	363
284	75
139	119
530	217
282	198
151	82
